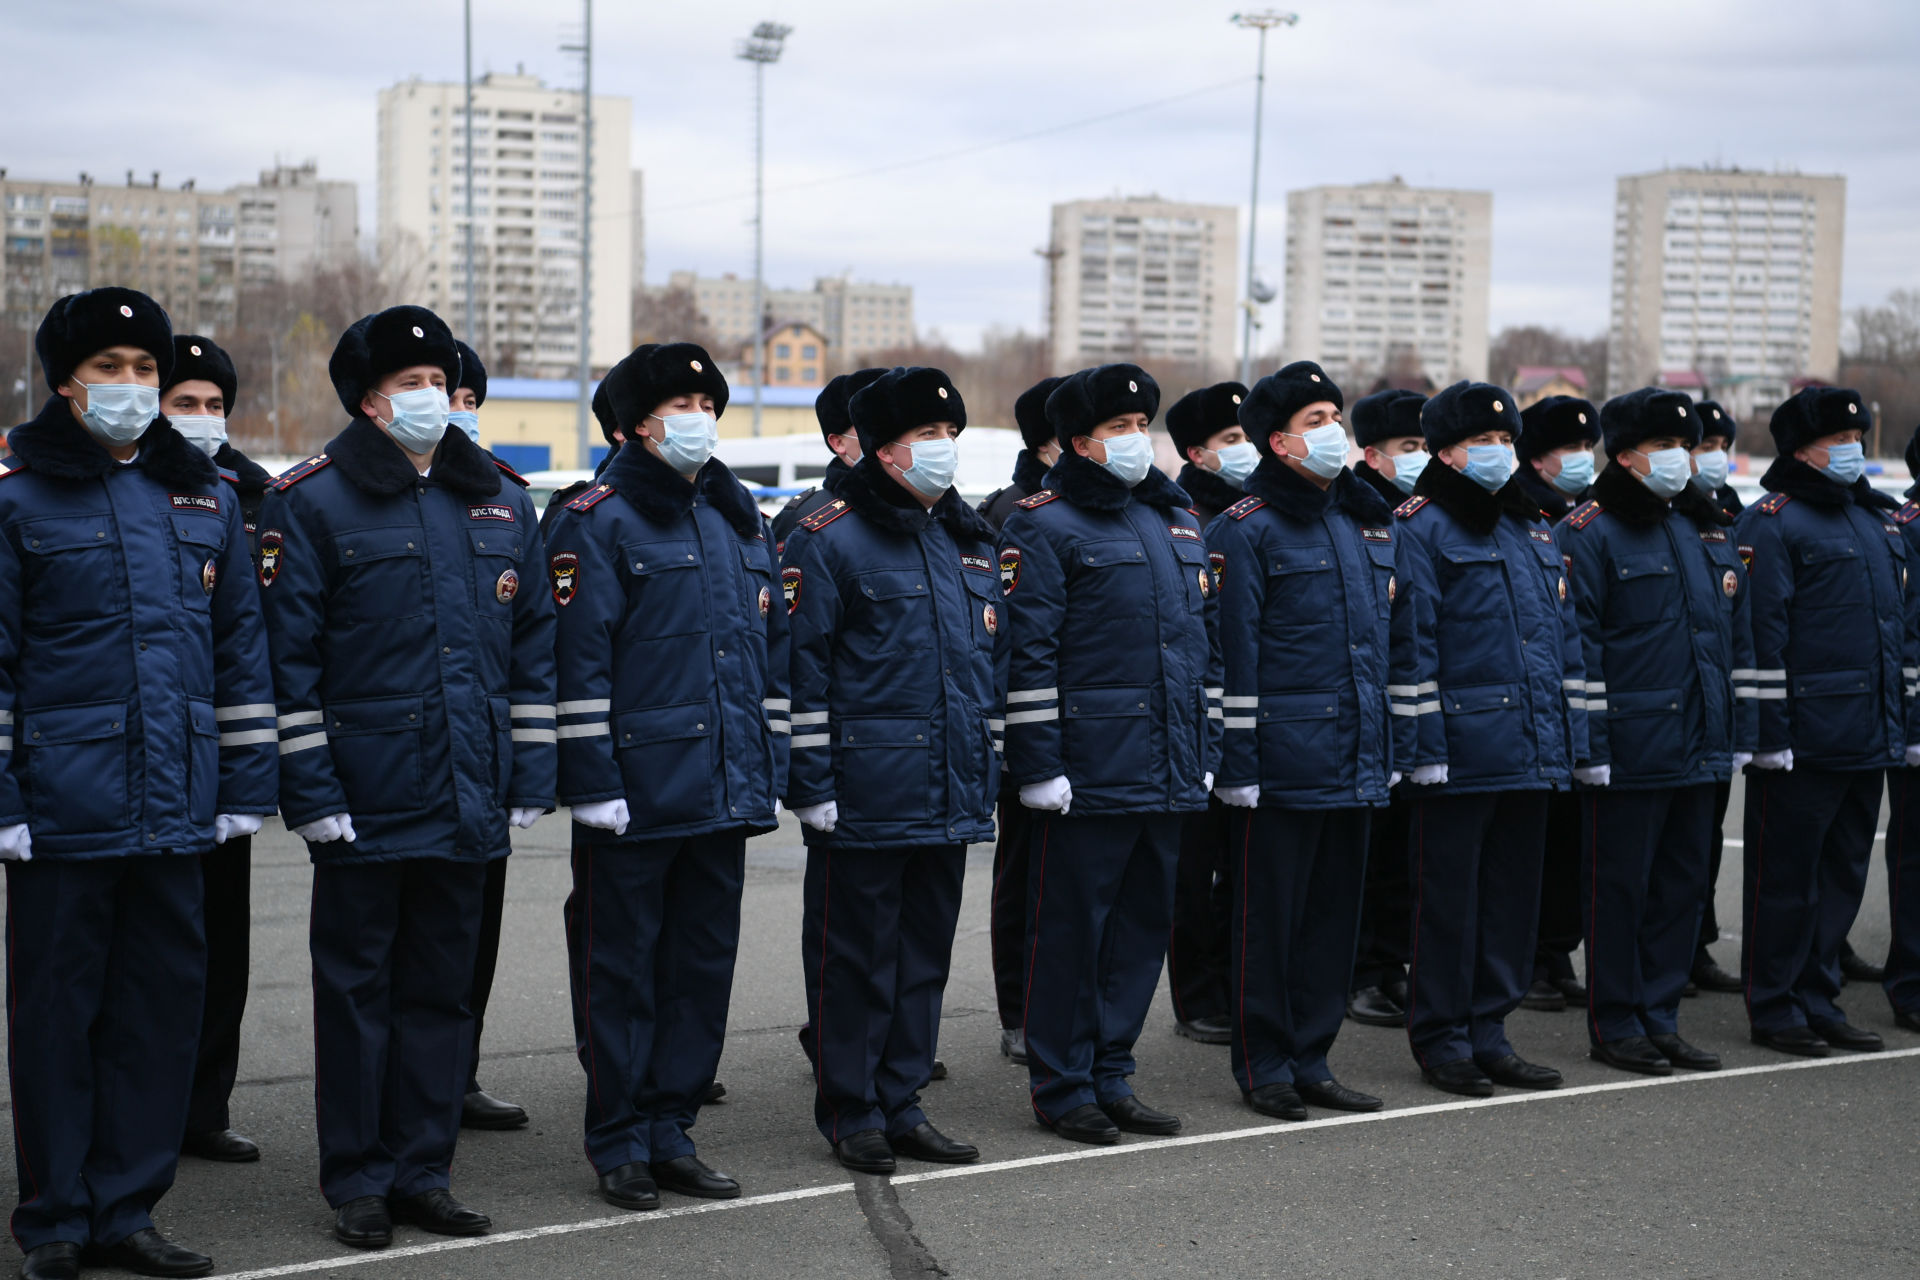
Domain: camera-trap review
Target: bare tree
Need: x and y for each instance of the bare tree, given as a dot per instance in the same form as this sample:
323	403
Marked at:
1882	362
672	315
1518	346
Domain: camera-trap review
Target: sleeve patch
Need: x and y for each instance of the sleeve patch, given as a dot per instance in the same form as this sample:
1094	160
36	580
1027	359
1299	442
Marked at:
1009	569
272	548
300	471
588	498
564	571
1244	508
825	516
1039	499
790	584
1746	555
1771	504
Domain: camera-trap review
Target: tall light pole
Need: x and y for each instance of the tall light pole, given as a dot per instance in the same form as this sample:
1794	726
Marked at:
1260	20
760	48
472	337
583	424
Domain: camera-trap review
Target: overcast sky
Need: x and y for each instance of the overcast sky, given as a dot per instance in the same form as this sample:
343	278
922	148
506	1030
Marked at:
1543	103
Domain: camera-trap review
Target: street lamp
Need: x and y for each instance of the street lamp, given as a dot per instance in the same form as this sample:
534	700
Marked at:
760	48
1260	21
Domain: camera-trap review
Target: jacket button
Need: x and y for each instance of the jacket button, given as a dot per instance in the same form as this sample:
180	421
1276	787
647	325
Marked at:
723	653
638	566
143	646
409	546
36	733
1141	705
626	737
446	649
100	533
36	542
689	555
412	716
349	553
1503	699
113	724
918	737
700	727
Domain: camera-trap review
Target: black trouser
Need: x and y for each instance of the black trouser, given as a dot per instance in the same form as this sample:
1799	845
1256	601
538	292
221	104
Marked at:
1202	910
1386	901
1007	910
1560	927
493	903
1709	918
225	873
1902	983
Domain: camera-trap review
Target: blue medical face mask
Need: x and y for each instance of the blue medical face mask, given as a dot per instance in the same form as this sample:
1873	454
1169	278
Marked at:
1326	449
691	439
419	418
1237	462
205	431
468	421
1489	465
1129	457
1846	463
1672	469
934	464
1712	474
1576	472
1407	468
119	412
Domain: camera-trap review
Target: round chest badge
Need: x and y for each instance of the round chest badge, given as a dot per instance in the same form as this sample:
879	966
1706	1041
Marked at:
991	617
1563	588
1393	587
1730	583
1205	580
507	587
209	575
766	602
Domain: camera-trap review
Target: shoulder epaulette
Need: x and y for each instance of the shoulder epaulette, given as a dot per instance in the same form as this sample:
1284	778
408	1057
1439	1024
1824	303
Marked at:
12	466
231	477
299	471
1583	515
1408	507
584	500
1907	514
1039	499
1244	508
799	498
511	474
825	516
1772	503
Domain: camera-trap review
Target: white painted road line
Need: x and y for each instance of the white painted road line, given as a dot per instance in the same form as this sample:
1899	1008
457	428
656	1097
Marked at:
357	1258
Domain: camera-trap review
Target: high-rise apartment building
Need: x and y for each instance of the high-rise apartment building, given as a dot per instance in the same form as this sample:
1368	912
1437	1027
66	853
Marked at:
529	191
291	222
1384	278
856	317
1729	276
1141	277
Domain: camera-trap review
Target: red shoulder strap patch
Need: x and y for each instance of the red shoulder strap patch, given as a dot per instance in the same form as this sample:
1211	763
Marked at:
1408	507
1245	507
510	473
825	516
12	466
1772	503
1584	514
1039	499
585	500
299	471
1907	514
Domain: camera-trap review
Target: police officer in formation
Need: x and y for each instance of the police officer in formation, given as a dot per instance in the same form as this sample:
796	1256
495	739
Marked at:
1668	652
1833	667
1902	980
196	401
836	428
1307	585
895	617
136	712
1218	458
1386	427
1113	734
1007	906
1490	675
414	678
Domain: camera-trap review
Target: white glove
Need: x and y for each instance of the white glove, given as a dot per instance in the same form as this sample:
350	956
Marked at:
16	843
1594	775
607	815
1913	754
777	809
1238	797
1206	783
1429	775
1393	779
1741	759
335	826
1782	760
821	817
524	818
1054	793
228	825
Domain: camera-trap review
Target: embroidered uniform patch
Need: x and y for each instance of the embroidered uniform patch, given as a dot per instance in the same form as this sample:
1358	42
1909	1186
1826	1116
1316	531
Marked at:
490	511
981	563
1182	531
209	576
1730	583
194	502
1377	535
1218	561
1713	535
1009	570
272	546
1746	556
766	601
1408	507
564	571
506	586
1039	499
790	584
991	616
1205	579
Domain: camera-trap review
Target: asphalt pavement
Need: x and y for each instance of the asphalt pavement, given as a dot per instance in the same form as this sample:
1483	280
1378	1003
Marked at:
1775	1167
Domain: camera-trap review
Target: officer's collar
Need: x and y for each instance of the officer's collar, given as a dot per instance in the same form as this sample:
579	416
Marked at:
875	496
1029	473
1085	483
1380	484
663	495
53	444
1207	488
835	473
374	464
1471	505
1795	478
1298	498
1623	494
1543	494
250	478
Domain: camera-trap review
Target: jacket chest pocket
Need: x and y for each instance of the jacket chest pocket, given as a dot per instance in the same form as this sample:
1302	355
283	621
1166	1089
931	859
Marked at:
984	601
1830	574
1386	587
756	567
897	607
1191	556
1473	583
71	569
496	581
376	748
1110	579
1300	586
76	767
665	585
199	541
381	574
1643	589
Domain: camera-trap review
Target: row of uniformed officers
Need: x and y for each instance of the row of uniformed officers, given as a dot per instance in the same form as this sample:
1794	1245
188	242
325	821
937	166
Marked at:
1236	674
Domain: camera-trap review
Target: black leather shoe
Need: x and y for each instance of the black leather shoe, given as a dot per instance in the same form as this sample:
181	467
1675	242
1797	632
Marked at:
364	1223
1277	1100
1800	1040
1635	1053
1709	976
1013	1044
1855	969
1682	1054
631	1186
437	1211
865	1152
57	1261
939	1071
1544	997
714	1092
1135	1116
1373	1007
1087	1123
1396	991
223	1145
1573	989
481	1110
148	1253
1691	990
1336	1097
1843	1035
1462	1076
1205	1030
1516	1072
1906	1021
689	1176
924	1142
